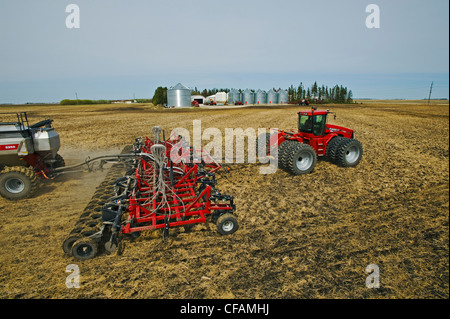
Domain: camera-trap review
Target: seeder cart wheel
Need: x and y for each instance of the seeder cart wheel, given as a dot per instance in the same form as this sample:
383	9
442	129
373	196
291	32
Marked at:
84	248
227	224
18	182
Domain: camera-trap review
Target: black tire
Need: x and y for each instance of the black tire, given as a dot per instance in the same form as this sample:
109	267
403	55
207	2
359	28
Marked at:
77	230
301	159
330	153
283	152
349	153
89	231
18	182
84	248
96	223
68	244
59	161
227	224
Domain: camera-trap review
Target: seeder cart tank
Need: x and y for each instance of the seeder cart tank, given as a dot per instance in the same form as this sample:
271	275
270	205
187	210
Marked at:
28	153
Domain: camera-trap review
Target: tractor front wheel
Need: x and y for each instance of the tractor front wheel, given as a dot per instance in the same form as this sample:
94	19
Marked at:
301	160
18	182
330	153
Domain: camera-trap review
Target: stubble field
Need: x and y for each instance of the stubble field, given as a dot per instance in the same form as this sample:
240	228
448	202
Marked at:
309	236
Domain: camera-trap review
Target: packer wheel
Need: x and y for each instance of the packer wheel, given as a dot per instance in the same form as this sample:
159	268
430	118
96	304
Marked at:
68	244
84	248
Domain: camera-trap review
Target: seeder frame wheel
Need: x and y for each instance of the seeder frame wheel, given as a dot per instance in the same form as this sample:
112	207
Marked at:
227	224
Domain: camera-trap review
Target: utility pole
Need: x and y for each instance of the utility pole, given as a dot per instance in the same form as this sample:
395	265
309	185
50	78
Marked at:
429	95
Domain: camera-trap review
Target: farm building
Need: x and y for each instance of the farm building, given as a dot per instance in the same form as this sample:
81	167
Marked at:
200	99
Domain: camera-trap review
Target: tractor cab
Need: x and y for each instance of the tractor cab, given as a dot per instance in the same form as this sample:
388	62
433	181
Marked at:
312	121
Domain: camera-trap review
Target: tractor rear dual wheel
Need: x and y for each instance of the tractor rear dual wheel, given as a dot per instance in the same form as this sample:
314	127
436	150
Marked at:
348	153
18	182
345	152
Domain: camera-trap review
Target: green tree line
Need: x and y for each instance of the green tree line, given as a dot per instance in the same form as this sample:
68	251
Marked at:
320	94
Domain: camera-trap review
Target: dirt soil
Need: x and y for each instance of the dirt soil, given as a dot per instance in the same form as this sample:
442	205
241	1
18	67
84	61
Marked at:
309	236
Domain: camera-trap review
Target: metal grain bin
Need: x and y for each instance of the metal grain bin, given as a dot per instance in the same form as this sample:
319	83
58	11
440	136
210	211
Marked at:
233	97
283	97
179	96
260	97
272	97
248	97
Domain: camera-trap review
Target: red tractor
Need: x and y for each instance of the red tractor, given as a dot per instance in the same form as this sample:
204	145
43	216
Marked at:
298	149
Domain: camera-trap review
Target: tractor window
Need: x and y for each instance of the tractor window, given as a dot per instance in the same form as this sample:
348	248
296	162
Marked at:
319	122
305	124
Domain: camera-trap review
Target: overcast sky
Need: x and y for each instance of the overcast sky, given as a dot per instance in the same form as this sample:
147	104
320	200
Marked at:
128	48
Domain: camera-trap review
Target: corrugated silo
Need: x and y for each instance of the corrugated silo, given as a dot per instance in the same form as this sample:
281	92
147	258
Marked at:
179	96
233	97
283	97
260	97
272	97
248	97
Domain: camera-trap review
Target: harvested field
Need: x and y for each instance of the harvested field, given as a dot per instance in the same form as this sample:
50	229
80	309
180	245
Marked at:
309	236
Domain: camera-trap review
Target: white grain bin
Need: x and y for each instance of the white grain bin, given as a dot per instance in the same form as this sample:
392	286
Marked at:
221	98
283	97
272	97
179	96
